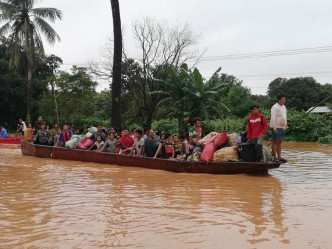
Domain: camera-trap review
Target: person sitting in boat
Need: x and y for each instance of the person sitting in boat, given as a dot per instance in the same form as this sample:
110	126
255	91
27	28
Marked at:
3	132
97	145
110	144
57	137
256	129
64	137
21	126
137	148
28	133
195	134
125	142
42	136
185	146
53	133
177	146
165	147
71	128
100	133
150	144
38	124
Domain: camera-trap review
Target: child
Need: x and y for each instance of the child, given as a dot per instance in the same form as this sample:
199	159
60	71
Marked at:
97	145
28	133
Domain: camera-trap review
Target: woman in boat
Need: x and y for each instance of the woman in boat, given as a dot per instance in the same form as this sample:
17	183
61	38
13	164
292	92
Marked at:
165	147
110	144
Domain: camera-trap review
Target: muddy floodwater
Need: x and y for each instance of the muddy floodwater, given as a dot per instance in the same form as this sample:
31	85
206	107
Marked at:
47	203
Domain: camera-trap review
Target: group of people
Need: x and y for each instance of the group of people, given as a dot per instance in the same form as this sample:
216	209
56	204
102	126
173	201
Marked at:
149	144
158	145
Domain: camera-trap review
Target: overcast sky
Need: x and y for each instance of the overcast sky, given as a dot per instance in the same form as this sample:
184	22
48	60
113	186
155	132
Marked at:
226	28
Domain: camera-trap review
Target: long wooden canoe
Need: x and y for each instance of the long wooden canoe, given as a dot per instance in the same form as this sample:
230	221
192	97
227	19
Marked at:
30	149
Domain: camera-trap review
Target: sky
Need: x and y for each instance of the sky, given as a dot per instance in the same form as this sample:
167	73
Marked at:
225	27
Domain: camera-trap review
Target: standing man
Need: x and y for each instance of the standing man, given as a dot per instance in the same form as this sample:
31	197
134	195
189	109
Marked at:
38	124
256	130
150	144
279	126
195	134
21	126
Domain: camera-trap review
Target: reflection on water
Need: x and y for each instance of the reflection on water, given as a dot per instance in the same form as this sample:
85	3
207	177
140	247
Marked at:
48	203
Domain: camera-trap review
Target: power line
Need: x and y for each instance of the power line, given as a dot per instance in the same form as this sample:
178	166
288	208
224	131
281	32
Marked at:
287	52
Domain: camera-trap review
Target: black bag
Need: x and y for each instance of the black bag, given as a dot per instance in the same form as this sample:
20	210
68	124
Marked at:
250	152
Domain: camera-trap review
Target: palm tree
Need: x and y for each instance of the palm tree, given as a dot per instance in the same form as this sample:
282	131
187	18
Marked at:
117	61
24	24
187	94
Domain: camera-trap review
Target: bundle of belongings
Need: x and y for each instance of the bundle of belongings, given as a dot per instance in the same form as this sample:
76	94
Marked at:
224	147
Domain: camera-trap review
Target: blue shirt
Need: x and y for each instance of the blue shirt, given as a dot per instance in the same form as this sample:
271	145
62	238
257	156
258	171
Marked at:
3	133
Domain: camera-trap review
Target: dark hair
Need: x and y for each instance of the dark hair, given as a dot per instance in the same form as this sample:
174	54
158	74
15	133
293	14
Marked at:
253	106
139	132
196	119
279	96
167	135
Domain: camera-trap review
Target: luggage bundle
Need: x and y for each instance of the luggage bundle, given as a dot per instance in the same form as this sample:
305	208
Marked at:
228	147
226	154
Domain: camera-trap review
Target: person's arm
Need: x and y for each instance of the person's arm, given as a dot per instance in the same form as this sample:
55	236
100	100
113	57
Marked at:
140	150
265	126
144	150
158	150
248	129
36	138
133	147
173	151
273	119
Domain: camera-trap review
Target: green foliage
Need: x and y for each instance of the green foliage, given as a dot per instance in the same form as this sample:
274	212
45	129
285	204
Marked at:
301	93
325	140
238	100
167	125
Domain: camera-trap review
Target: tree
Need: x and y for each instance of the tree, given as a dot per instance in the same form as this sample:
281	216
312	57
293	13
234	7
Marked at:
76	100
117	60
24	24
188	94
301	93
162	47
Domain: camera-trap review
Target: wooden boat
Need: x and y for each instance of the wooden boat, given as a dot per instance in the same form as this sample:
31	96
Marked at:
11	140
30	149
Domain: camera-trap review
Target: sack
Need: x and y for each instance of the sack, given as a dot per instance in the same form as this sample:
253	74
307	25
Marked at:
267	154
226	154
194	157
169	149
233	139
85	144
208	138
72	142
92	130
220	140
207	153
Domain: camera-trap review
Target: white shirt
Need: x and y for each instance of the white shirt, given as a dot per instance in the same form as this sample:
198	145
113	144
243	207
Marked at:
278	116
139	144
23	126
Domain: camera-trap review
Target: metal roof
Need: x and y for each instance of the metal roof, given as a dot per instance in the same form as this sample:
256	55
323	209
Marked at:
320	109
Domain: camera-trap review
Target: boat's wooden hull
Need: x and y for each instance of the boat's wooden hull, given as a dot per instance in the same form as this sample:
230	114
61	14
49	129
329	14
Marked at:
30	149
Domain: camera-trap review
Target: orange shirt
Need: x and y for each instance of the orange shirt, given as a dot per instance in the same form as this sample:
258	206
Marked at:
28	134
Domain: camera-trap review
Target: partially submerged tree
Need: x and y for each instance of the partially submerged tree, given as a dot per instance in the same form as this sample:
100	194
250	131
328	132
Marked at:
24	24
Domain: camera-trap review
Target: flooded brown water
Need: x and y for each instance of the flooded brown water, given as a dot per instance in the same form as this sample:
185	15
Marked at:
48	203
